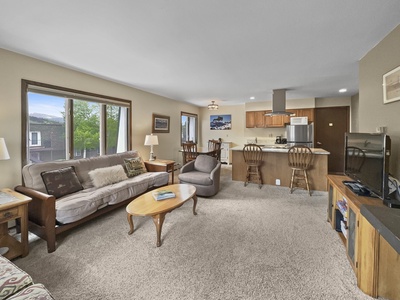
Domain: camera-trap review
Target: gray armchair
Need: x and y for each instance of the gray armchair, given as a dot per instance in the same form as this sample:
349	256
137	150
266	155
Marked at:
204	173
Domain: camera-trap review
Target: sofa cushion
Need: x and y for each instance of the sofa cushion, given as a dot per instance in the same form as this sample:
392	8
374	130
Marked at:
109	175
83	203
196	177
61	182
205	163
36	291
134	166
12	278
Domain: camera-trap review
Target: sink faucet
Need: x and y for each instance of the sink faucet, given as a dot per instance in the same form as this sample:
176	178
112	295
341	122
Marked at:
256	140
366	143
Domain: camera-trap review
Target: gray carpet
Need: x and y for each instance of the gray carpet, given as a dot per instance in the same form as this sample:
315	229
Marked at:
245	243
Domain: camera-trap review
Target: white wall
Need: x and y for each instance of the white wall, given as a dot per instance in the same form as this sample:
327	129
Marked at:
383	58
15	67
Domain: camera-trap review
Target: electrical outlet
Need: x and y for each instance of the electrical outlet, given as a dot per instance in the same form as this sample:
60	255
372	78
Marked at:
277	182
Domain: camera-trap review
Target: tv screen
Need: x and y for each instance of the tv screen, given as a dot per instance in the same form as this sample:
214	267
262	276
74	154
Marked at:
367	161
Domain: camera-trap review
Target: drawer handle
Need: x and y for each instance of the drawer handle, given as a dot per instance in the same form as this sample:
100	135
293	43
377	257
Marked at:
7	214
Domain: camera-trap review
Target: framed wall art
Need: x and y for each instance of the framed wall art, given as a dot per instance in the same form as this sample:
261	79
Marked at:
220	122
391	86
160	124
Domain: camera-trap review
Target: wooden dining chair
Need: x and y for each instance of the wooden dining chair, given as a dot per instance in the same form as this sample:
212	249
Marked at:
189	152
253	157
215	147
299	158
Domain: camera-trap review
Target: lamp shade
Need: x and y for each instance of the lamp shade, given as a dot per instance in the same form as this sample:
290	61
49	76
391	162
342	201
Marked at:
151	140
3	150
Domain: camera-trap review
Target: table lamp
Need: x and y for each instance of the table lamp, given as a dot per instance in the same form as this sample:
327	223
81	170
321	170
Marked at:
151	140
3	156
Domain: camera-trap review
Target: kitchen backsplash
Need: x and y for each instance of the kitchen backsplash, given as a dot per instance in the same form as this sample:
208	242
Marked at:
261	140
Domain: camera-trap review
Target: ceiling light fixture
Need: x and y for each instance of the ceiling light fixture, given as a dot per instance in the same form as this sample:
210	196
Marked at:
212	106
252	98
342	90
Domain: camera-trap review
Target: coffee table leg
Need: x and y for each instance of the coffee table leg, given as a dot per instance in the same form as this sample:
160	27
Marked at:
194	204
158	221
130	221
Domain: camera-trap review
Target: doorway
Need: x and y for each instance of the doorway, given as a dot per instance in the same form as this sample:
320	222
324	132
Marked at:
331	124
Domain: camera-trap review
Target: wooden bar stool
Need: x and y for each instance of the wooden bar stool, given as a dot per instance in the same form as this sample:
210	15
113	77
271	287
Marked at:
253	157
300	161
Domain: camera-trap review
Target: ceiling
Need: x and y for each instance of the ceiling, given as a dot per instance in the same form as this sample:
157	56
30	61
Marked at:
198	51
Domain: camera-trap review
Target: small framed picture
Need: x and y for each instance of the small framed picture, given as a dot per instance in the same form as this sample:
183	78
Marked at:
160	124
220	122
391	86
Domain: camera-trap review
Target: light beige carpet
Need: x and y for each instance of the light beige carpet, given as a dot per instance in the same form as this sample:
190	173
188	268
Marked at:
245	243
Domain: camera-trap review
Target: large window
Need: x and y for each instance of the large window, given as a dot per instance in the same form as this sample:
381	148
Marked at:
188	127
60	123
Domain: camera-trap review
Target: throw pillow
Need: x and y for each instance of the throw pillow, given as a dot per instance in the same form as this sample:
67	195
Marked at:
106	176
61	182
134	166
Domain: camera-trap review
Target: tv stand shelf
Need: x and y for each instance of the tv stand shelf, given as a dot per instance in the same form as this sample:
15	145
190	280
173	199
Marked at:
364	245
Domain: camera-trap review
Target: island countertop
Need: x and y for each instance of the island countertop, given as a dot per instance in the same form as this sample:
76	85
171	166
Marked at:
275	169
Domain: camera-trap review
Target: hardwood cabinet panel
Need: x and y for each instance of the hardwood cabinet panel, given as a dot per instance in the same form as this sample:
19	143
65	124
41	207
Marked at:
255	119
259	119
250	119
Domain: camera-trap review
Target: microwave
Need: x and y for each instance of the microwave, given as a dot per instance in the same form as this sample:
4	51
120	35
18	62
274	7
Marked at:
299	121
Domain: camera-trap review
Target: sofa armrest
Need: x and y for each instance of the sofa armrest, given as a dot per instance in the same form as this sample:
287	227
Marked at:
42	208
188	167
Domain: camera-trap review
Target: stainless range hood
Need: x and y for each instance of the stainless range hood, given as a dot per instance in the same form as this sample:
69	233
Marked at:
279	103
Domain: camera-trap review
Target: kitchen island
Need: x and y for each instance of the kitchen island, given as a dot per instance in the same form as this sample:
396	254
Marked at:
275	167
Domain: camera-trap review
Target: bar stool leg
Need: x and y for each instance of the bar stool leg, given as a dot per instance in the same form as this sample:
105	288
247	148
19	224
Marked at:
306	179
291	181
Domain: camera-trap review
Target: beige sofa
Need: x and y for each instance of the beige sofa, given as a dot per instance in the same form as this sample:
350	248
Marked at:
16	284
50	215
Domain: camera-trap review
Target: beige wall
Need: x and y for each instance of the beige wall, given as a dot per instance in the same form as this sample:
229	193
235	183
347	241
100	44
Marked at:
15	67
383	58
354	113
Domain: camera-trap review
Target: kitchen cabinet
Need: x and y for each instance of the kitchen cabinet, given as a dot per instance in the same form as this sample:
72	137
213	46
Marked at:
274	121
255	119
250	119
304	112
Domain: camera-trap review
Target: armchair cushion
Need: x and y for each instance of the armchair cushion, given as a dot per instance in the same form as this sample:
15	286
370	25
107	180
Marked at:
203	163
196	177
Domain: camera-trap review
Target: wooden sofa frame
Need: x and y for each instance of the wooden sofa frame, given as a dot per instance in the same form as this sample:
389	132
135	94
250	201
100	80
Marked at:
42	215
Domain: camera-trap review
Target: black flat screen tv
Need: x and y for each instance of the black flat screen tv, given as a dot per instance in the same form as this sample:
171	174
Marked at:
367	161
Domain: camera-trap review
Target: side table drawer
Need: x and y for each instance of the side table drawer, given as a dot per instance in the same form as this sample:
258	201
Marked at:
9	214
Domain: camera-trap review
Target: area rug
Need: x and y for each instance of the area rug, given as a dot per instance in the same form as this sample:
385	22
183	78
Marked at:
245	243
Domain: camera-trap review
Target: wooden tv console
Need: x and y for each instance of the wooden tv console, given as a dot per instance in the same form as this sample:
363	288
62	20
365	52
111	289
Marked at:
370	232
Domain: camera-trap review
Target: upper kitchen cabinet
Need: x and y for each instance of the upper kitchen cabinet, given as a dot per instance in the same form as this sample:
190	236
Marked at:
304	112
255	119
274	121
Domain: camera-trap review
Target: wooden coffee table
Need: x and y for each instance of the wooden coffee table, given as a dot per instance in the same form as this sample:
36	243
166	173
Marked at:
145	205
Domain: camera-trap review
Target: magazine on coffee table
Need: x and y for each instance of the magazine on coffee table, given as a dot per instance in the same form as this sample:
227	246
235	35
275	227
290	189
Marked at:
163	194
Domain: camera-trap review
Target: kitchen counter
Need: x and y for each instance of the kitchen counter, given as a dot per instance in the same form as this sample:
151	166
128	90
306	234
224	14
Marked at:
275	168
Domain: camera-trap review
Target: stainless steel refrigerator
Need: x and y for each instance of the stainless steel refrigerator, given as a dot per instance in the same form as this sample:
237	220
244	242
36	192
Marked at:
300	135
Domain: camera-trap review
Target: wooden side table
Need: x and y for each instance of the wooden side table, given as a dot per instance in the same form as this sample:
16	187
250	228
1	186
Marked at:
15	207
160	165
